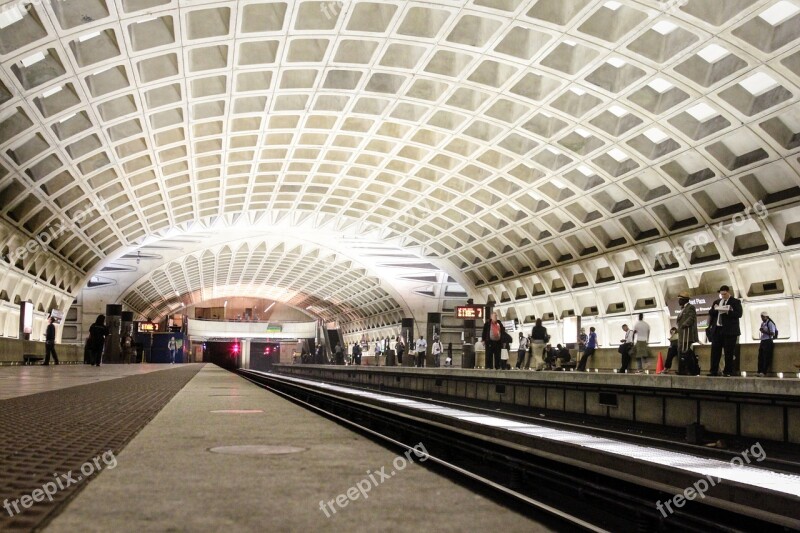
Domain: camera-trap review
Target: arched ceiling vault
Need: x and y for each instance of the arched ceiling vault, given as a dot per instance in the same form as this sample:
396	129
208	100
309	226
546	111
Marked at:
502	137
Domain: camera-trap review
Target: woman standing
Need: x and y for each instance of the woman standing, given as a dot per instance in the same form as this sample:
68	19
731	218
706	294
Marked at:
97	339
538	340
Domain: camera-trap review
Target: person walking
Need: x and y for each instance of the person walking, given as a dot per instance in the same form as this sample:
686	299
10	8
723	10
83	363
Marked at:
724	318
172	346
421	348
50	342
641	348
591	345
769	332
97	339
492	336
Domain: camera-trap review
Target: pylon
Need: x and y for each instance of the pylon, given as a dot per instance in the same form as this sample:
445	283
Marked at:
660	364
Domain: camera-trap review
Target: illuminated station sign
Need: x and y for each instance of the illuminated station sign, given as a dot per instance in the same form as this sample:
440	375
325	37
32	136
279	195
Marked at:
469	312
147	327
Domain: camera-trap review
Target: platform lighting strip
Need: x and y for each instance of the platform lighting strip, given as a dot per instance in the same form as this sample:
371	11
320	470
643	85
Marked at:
748	475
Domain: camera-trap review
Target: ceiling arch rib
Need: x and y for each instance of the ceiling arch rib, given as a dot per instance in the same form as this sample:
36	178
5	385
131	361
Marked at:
503	138
320	281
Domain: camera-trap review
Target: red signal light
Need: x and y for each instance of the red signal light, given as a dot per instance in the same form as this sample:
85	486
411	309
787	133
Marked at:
235	348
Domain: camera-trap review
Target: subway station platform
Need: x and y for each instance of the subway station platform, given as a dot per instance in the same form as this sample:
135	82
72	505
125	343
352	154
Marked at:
208	452
750	408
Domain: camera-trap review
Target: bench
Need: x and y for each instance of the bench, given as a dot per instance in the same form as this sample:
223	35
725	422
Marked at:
31	359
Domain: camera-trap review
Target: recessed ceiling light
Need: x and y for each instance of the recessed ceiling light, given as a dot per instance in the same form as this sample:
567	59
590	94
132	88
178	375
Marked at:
779	12
52	91
586	171
582	132
758	83
660	85
616	62
618	155
664	27
88	36
713	53
558	183
617	111
656	135
612	5
10	15
701	111
32	59
577	90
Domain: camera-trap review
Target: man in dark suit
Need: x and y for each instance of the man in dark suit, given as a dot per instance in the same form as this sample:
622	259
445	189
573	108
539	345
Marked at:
723	318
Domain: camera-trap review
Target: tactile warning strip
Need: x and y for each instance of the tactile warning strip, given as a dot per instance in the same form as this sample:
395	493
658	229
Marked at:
57	432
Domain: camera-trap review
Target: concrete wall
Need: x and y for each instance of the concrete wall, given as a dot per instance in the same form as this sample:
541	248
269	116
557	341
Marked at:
11	351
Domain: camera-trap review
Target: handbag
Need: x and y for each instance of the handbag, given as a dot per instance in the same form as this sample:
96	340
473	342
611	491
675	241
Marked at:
504	354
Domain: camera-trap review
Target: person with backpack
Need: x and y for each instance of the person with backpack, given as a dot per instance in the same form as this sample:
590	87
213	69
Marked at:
492	337
769	332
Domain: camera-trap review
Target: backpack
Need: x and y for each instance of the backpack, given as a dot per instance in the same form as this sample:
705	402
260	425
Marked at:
776	328
688	364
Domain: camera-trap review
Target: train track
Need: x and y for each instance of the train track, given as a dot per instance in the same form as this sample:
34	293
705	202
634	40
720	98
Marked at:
563	488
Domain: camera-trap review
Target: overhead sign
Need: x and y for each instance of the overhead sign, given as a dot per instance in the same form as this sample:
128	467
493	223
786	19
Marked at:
57	315
702	304
509	325
469	312
274	328
148	327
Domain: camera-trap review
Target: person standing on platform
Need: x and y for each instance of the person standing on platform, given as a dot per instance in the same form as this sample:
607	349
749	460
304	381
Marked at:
641	331
492	336
522	349
97	339
436	350
582	339
378	351
421	348
50	342
769	332
626	348
539	338
172	346
356	354
338	354
449	359
591	345
399	348
723	318
672	351
686	324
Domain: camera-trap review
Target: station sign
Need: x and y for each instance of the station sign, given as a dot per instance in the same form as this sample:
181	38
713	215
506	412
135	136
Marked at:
469	312
274	328
701	302
148	327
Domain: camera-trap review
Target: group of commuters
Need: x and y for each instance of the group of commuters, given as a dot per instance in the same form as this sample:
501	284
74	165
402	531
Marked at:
534	351
419	352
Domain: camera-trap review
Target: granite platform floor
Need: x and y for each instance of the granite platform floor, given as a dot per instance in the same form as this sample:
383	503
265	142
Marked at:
294	462
21	380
